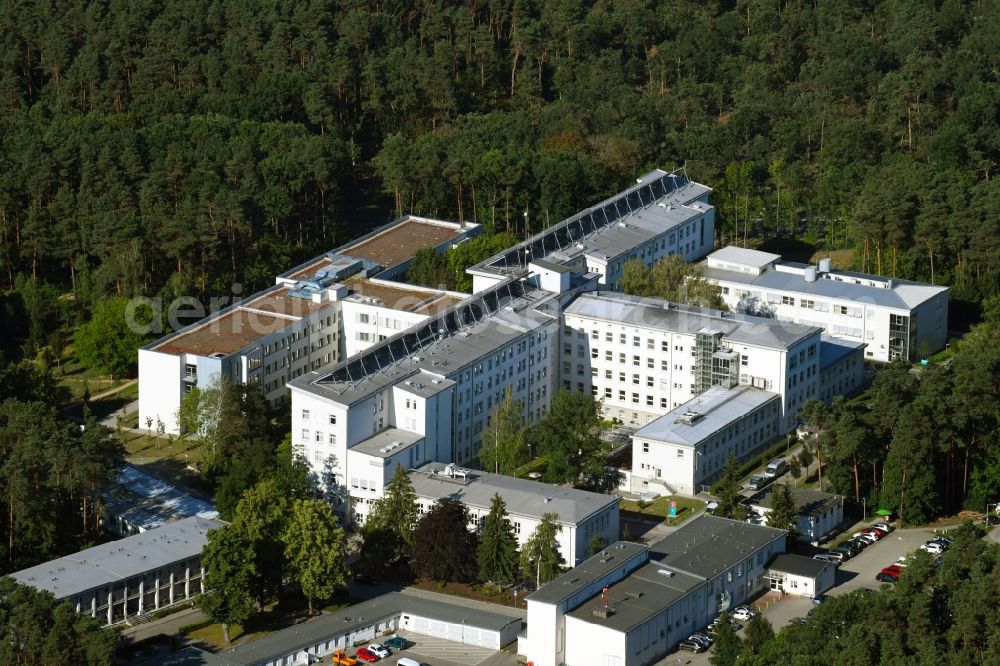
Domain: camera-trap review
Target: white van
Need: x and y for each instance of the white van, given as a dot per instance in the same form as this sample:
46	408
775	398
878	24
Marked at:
775	468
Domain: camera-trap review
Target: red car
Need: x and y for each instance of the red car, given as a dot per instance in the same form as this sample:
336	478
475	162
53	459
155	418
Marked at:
364	654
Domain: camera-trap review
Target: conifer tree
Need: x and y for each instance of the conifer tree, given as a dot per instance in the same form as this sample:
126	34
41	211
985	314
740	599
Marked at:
497	552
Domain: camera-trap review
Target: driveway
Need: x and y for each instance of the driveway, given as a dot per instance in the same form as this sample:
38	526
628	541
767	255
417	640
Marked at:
860	571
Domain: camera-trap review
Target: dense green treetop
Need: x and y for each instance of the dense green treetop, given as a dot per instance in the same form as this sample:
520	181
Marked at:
178	147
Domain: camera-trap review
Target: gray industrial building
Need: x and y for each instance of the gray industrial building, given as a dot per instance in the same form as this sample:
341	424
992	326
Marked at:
129	577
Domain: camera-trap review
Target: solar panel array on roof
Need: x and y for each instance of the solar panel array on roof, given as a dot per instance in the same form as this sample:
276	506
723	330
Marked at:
589	221
451	321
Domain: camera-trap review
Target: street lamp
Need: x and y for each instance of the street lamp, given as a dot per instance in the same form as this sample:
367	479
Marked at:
864	509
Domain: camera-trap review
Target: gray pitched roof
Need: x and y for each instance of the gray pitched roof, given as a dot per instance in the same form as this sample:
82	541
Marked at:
118	560
708	545
523	497
646	592
808	502
591	570
903	295
798	565
361	615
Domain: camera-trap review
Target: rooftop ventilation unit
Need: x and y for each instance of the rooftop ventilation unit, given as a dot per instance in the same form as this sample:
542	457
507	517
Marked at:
689	417
666	572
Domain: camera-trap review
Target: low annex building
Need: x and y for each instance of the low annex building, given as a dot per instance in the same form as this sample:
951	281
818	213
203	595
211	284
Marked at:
581	515
803	576
630	604
310	641
819	513
132	576
138	502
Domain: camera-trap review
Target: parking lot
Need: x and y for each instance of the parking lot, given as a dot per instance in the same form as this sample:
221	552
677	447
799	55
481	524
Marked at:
442	652
858	572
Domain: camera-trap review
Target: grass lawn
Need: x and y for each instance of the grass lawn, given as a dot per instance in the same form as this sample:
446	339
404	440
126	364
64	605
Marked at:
79	379
686	507
212	635
109	405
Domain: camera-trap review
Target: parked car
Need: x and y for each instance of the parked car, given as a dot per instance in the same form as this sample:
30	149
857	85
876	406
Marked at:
819	598
878	530
883	526
775	468
859	544
711	506
837	555
381	651
827	558
934	547
846	551
691	646
867	537
944	541
364	654
757	482
744	613
406	661
890	574
705	641
397	643
364	579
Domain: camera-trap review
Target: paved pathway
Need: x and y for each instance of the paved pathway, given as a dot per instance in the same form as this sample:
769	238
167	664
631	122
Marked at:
169	625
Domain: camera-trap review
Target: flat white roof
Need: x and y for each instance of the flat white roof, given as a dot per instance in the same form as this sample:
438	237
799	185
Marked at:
746	257
716	409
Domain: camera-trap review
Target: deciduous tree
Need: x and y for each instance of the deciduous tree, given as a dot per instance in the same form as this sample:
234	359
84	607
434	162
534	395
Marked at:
505	437
444	548
315	549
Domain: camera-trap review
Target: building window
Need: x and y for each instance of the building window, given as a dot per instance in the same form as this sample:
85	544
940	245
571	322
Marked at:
645	447
787	300
807	304
305	414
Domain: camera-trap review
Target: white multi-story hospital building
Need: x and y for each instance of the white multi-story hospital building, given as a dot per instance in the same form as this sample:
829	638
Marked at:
893	318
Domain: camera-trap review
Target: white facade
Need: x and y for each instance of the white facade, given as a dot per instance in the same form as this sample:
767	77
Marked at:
686	449
133	576
581	515
662	214
819	513
316	314
894	318
437	382
264	341
631	604
644	357
801	576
